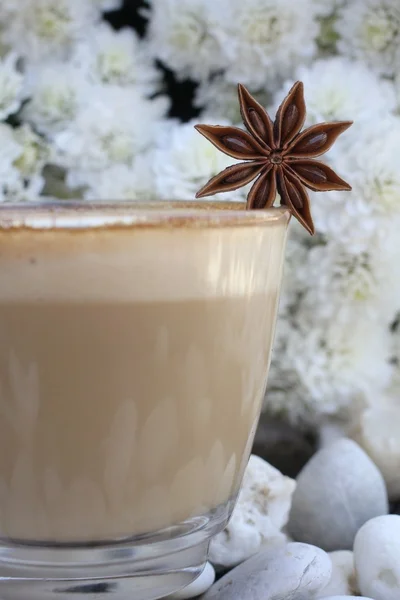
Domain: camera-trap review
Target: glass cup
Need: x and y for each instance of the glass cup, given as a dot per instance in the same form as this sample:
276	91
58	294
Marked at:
135	342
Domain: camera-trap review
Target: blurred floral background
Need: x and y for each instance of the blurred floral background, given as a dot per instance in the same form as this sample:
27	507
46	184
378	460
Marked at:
98	99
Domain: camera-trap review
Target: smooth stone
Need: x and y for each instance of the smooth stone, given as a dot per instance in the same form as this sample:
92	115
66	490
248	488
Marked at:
261	511
338	491
378	433
377	558
197	587
295	572
343	580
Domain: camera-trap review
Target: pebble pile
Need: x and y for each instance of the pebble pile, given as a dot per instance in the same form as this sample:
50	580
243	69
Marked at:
326	535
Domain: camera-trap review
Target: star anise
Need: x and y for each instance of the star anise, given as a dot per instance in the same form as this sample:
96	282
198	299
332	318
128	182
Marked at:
278	154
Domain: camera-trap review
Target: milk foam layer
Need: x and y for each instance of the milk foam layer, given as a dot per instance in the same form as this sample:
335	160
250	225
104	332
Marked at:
139	264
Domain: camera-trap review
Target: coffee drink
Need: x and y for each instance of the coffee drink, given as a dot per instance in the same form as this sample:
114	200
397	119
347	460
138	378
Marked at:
133	364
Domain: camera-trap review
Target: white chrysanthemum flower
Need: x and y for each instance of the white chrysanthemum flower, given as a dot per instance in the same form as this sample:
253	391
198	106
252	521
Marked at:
181	36
184	161
15	189
368	157
219	98
323	370
35	152
43	28
114	128
353	282
379	180
345	217
10	150
11	86
385	260
116	58
265	39
332	97
57	92
296	255
22	157
370	31
119	182
335	292
369	257
355	365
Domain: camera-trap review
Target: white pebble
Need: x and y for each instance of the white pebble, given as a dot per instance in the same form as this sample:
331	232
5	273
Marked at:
343	579
197	587
261	512
376	557
338	490
295	571
378	434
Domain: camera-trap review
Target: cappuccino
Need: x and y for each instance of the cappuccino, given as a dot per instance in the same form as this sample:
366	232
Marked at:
133	364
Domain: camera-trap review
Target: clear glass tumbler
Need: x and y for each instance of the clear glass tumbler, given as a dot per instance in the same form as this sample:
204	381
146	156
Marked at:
135	342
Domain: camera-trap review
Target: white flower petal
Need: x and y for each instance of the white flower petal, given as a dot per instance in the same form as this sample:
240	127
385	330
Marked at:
184	161
116	58
182	35
119	182
265	40
332	97
370	31
48	27
57	91
114	128
11	86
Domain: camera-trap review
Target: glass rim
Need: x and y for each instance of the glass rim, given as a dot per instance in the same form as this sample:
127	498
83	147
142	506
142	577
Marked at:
82	215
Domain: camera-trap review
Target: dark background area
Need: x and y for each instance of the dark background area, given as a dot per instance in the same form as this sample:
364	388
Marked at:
181	93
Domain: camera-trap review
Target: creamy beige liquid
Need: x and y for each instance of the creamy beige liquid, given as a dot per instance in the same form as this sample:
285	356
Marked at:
129	396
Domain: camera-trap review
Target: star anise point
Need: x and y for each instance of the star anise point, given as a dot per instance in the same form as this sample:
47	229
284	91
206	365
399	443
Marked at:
279	156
